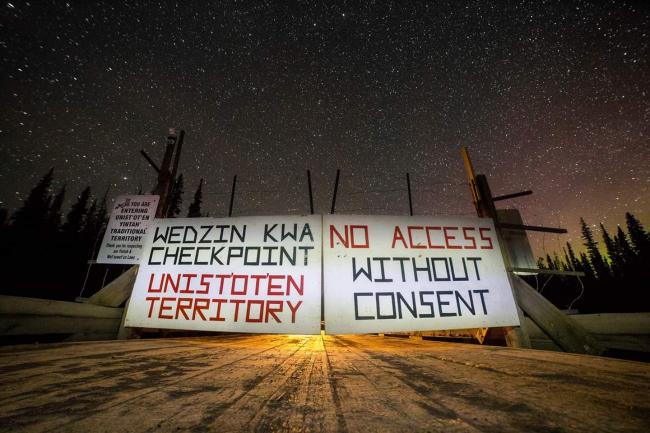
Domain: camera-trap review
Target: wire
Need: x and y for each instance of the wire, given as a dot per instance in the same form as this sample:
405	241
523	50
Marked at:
544	285
582	291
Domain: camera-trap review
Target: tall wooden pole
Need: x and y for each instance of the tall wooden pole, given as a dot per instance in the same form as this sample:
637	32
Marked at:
164	175
177	158
482	199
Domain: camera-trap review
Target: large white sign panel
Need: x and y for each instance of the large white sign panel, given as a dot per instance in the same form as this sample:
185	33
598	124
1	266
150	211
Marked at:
126	230
248	274
385	273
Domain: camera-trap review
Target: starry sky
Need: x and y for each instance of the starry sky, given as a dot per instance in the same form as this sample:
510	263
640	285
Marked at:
548	95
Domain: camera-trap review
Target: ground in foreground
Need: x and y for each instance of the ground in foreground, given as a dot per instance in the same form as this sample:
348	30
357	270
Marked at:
311	383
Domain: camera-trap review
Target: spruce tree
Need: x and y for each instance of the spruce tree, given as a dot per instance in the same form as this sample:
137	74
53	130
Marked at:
612	252
639	238
76	217
4	217
54	213
32	216
573	261
601	269
550	264
176	198
627	254
194	210
586	266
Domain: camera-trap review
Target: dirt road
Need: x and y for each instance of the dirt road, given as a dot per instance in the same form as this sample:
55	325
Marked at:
268	383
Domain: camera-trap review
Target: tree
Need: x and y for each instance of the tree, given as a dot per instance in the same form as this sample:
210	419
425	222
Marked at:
573	261
4	217
612	252
623	246
78	212
194	210
32	216
176	198
601	269
639	238
54	212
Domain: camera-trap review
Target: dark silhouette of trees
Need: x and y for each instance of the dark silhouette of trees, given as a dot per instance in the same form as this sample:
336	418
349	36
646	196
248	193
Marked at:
59	252
614	281
176	198
32	216
194	210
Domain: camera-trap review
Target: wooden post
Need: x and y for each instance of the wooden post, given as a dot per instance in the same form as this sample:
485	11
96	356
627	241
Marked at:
469	169
232	195
408	189
311	196
482	199
177	157
164	175
336	188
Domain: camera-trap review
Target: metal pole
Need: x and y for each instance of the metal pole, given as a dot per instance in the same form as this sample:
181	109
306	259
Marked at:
336	188
408	188
232	195
311	196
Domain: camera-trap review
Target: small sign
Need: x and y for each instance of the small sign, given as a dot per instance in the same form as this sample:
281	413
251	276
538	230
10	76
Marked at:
127	227
245	274
391	274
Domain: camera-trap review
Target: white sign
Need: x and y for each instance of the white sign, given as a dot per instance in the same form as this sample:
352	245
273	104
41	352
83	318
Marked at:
126	230
385	273
248	274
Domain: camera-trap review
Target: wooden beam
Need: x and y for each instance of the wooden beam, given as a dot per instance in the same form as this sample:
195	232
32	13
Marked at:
117	291
564	331
18	305
471	176
530	228
12	324
513	195
547	271
150	161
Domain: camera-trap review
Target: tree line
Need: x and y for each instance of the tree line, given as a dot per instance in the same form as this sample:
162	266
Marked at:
614	272
45	251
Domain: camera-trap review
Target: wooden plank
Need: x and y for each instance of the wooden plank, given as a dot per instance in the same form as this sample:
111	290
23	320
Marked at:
41	325
563	330
312	383
17	305
117	291
615	323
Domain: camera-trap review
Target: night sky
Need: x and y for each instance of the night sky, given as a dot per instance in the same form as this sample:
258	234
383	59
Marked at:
548	96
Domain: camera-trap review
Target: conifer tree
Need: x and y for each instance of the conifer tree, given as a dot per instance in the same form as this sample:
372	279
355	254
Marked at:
639	238
32	216
54	212
598	264
176	198
194	210
76	217
586	266
573	261
4	217
623	246
612	251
